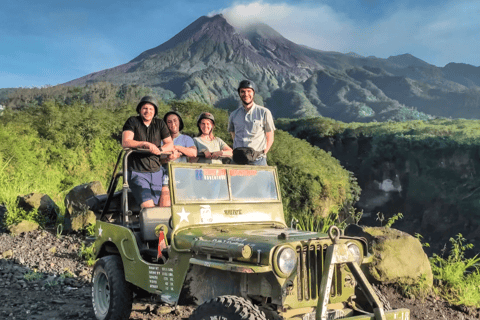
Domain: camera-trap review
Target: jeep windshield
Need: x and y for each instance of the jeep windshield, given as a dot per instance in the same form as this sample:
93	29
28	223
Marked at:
224	184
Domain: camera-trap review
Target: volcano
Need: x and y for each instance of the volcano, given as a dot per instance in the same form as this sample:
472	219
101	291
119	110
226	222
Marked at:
206	61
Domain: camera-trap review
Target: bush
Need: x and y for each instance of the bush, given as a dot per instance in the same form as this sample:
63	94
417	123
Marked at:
458	277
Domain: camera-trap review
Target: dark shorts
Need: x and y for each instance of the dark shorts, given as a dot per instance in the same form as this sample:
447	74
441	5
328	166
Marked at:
146	185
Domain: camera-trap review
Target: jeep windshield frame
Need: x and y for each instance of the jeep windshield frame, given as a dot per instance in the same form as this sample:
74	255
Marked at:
223	184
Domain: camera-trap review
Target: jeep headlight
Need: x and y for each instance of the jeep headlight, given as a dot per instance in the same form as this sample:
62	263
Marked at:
285	261
355	251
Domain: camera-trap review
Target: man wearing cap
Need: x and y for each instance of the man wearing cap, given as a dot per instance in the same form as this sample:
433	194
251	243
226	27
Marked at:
251	125
183	148
146	131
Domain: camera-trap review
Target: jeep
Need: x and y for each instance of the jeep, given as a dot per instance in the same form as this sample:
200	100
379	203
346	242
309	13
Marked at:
224	245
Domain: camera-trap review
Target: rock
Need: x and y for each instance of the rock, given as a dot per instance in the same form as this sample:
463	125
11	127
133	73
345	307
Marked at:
77	213
23	226
397	257
7	255
45	206
162	310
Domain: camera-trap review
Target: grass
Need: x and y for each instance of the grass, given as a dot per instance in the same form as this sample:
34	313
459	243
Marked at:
33	275
457	277
87	254
315	223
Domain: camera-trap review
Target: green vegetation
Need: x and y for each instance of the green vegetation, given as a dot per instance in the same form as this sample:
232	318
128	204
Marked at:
436	133
438	155
458	277
390	221
87	254
59	138
313	182
33	275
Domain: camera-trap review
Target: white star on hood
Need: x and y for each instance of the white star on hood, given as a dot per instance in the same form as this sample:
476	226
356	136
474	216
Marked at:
183	215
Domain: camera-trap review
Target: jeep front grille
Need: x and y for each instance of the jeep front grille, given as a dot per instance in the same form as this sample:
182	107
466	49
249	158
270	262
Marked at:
310	265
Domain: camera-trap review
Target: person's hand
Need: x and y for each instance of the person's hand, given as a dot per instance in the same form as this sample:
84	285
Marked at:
174	155
217	154
208	154
152	148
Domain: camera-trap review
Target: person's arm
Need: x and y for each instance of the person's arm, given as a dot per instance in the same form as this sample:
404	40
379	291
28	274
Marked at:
187	151
269	130
168	144
128	142
270	137
225	150
231	127
196	146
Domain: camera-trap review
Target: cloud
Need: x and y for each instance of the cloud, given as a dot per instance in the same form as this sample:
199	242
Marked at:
318	27
438	34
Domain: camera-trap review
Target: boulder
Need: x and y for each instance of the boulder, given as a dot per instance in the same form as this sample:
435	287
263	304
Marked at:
77	213
45	206
23	226
397	256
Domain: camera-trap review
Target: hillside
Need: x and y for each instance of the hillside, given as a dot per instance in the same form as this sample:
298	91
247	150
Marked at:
426	170
205	62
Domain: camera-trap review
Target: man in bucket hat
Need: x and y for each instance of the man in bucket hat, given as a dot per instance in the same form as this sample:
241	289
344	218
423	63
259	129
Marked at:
146	131
251	127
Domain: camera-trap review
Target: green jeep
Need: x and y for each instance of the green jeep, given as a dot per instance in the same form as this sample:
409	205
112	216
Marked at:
227	249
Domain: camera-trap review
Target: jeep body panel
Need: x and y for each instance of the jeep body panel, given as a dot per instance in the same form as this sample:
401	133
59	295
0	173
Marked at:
165	280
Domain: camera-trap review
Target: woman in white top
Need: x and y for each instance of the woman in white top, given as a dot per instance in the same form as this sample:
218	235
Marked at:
213	147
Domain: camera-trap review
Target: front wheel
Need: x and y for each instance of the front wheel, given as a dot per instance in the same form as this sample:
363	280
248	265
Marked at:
111	294
228	308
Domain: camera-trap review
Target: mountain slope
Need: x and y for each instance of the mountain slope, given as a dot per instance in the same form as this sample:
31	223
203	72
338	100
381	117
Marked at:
207	59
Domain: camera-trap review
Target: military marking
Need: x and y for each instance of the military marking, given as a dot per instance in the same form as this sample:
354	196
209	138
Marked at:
233	212
183	215
100	230
206	214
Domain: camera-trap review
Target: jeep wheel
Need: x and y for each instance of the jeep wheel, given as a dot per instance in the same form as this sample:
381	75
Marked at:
228	308
111	295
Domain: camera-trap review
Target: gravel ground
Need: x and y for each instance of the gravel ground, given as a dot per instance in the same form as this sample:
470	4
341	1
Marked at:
42	277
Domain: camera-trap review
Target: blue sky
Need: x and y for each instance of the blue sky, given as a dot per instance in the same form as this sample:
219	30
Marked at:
47	42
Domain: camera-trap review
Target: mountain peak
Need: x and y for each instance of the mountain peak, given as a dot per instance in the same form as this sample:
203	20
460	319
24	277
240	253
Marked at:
407	60
216	27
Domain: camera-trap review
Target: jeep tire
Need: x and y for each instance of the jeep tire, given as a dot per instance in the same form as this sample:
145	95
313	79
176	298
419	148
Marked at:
228	308
111	294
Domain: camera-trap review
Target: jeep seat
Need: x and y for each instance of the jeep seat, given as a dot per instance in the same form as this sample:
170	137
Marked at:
150	218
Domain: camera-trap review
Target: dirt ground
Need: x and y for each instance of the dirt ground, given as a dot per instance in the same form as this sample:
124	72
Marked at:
43	277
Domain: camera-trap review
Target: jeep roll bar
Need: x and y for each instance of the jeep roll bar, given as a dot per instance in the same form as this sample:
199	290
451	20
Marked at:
124	153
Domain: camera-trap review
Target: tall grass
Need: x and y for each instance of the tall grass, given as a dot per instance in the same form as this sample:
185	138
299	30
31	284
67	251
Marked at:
458	278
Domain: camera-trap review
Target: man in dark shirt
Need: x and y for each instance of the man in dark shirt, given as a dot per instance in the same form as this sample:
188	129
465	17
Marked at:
146	131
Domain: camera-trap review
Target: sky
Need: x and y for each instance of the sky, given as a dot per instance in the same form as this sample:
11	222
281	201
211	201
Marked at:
49	42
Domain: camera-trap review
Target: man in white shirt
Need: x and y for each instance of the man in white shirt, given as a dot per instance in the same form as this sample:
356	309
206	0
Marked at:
251	125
